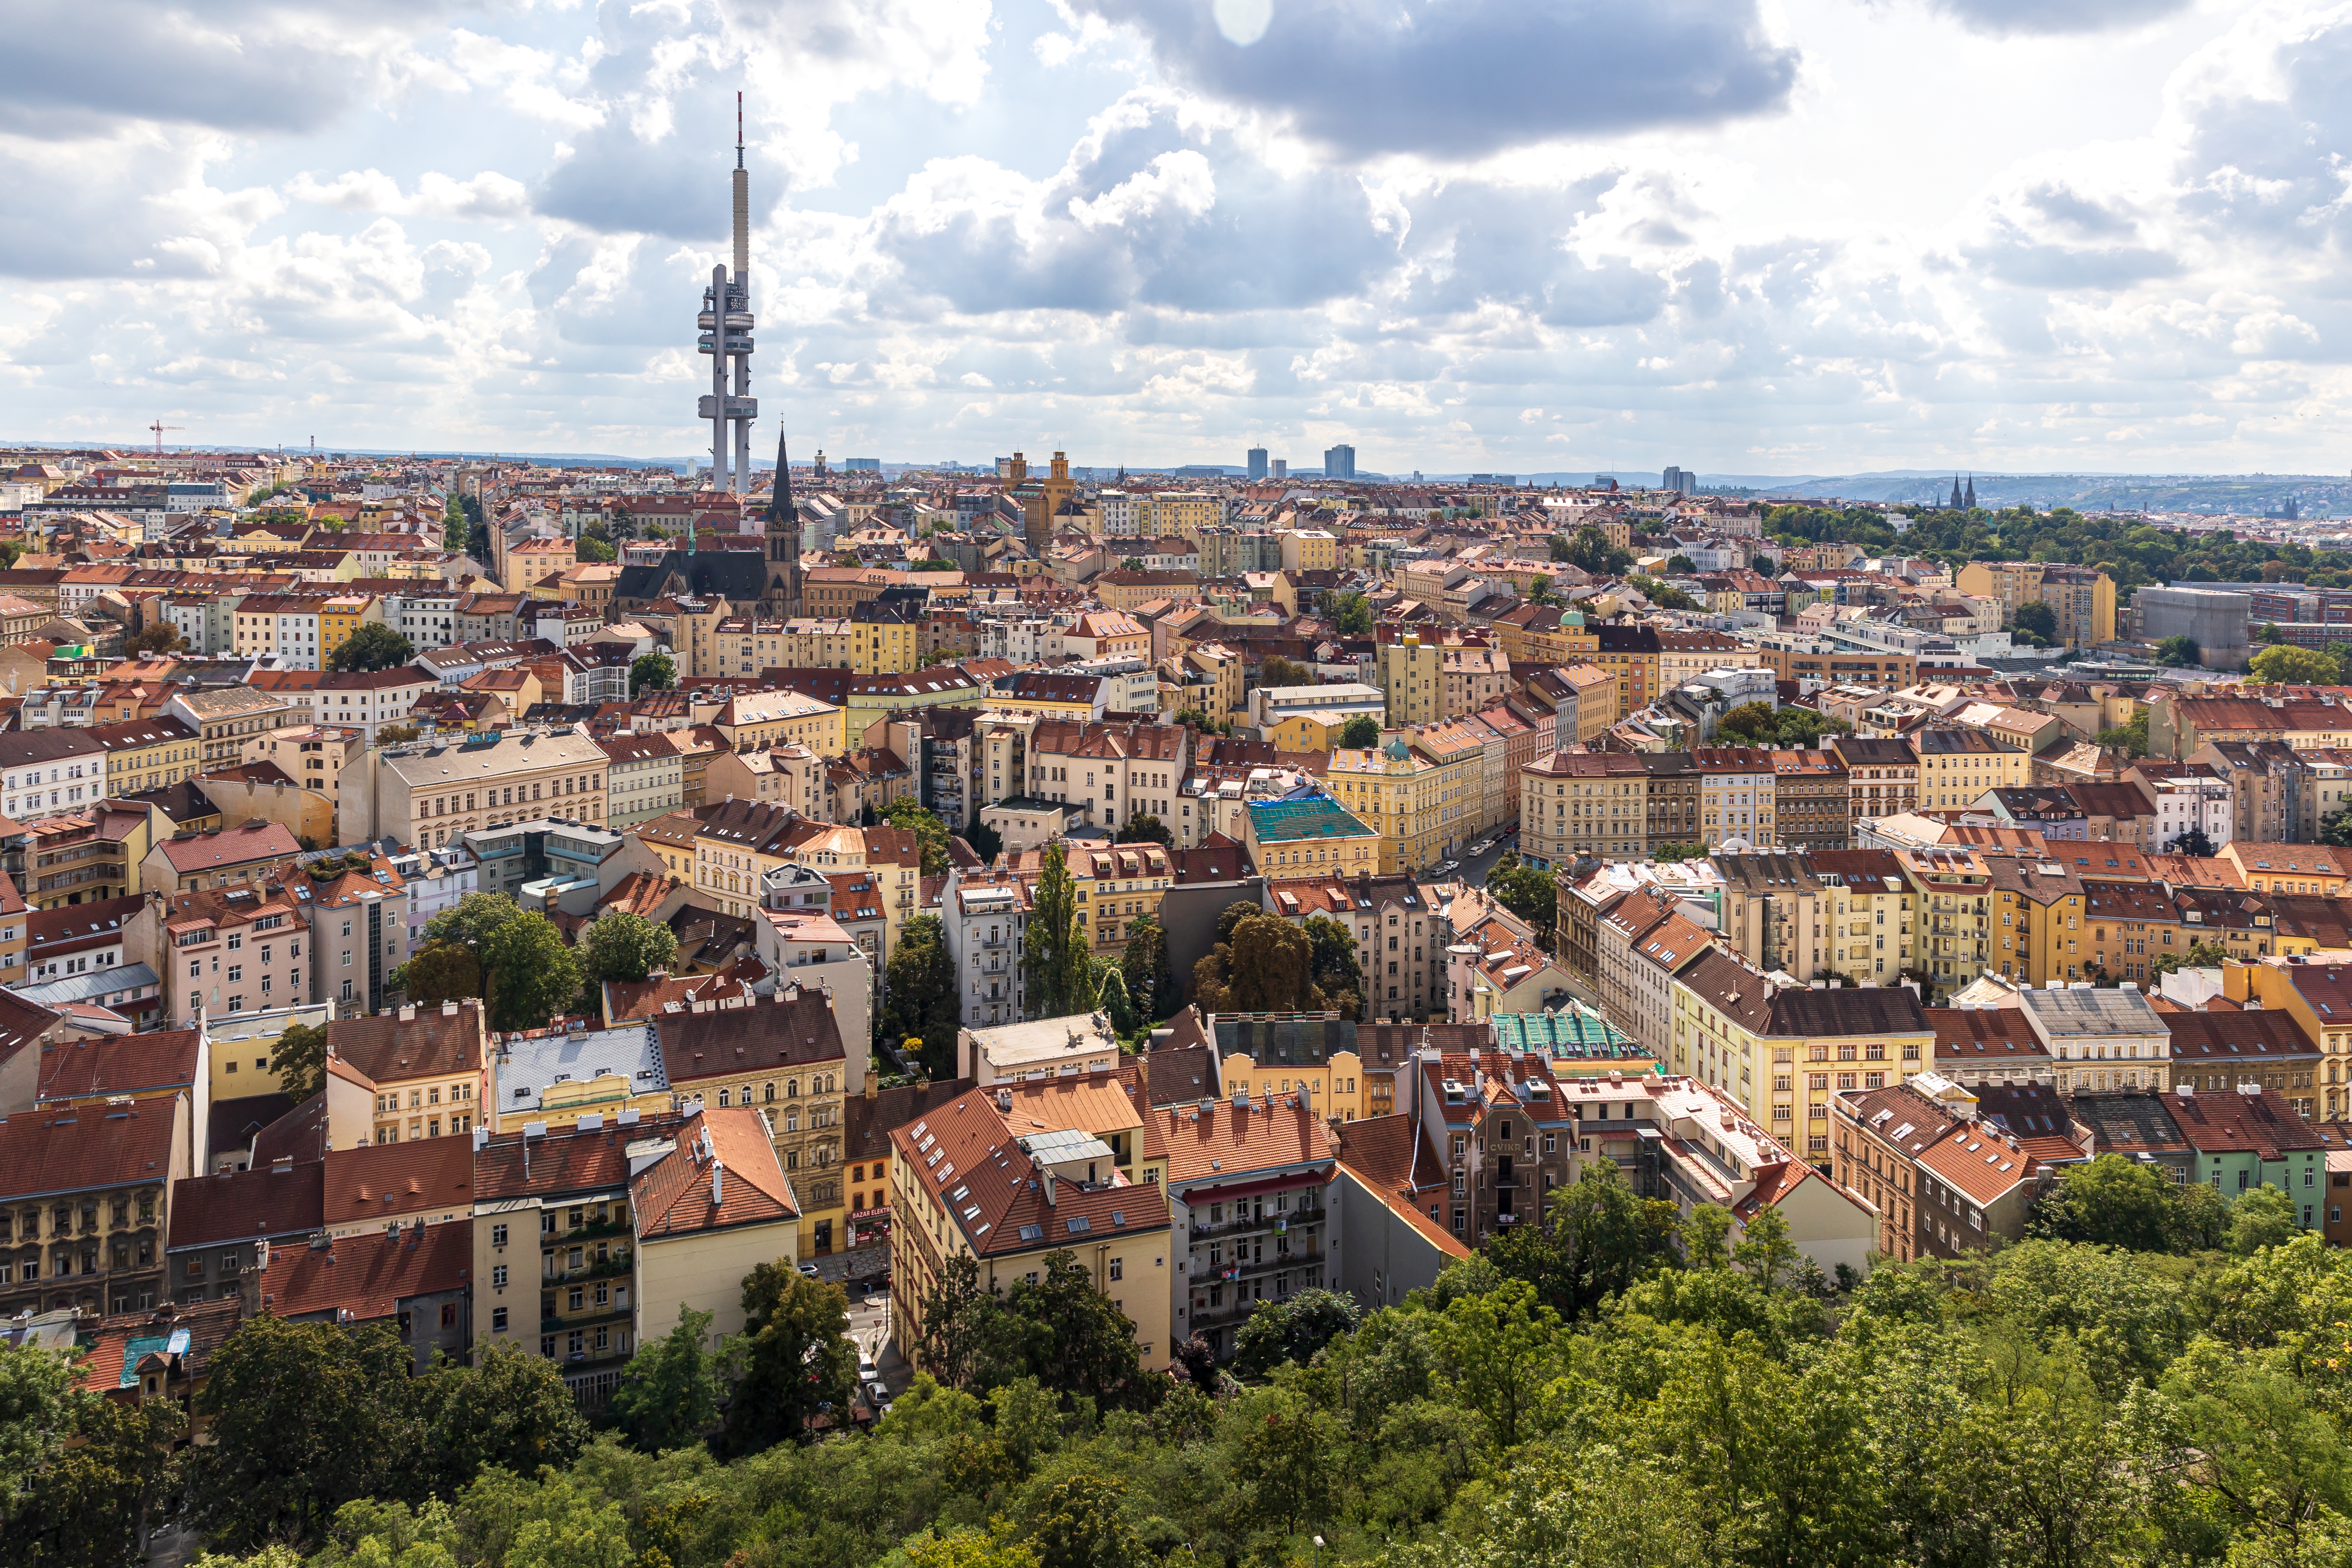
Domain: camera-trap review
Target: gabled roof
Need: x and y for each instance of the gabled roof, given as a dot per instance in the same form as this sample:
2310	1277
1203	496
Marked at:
433	1042
44	1152
268	1202
363	1278
723	1173
383	1181
139	1065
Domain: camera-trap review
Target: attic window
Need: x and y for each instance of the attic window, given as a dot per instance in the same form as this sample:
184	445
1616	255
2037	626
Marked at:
1078	1222
1033	1233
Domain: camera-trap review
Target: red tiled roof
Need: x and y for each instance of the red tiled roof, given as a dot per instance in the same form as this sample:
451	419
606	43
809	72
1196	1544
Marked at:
139	1065
722	1174
42	1152
267	1201
367	1275
387	1181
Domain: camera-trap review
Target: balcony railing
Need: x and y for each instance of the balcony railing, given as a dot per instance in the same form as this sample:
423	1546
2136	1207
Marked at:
1290	1220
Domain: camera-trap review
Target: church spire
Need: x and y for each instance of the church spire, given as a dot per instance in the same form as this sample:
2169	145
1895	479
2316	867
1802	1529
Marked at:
783	598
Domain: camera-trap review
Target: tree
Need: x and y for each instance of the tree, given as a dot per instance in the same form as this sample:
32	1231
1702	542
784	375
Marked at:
2179	653
1665	596
1291	1459
305	1418
1589	550
1082	1523
2037	622
1292	1330
158	636
668	1396
1268	965
1683	566
595	551
88	1503
2263	1217
2267	631
1077	1343
1351	614
1060	968
1611	1236
509	1411
1145	827
1361	733
375	646
985	841
440	972
300	1058
909	815
1336	973
396	734
2192	842
654	672
1765	1249
2107	1200
1278	670
1751	724
2130	737
532	975
920	1003
2200	956
2285	665
1150	981
1500	1348
1539	589
2337	829
1112	998
1528	894
619	945
797	1359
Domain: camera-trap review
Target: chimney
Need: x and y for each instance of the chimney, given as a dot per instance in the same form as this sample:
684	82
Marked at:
408	1014
1049	1184
718	1184
448	1009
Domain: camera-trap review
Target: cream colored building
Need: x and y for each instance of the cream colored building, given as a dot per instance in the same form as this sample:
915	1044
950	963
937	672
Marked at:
427	794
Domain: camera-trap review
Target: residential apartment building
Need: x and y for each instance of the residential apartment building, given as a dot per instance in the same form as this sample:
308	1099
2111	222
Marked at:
428	793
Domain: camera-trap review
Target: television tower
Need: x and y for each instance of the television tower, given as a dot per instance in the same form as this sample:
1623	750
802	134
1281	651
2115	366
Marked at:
726	326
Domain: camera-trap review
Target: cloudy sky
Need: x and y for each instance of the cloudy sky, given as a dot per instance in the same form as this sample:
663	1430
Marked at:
1744	235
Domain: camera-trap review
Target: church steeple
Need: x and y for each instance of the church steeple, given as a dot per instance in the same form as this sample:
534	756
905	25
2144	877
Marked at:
1954	502
1971	502
784	535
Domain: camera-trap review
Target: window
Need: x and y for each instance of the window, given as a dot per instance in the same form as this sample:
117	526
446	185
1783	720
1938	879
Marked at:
498	1275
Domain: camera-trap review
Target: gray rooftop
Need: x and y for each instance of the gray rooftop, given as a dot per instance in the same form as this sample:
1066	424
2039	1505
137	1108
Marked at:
527	1066
2077	1012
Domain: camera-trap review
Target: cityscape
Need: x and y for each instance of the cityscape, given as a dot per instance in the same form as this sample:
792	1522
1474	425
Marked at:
1772	1012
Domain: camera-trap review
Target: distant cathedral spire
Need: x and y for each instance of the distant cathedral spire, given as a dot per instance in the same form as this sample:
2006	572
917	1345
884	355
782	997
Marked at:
1954	502
783	598
1971	502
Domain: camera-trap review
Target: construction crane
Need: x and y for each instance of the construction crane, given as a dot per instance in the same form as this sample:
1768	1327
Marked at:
159	427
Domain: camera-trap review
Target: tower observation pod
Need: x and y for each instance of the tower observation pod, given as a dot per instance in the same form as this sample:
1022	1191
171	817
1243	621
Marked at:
725	325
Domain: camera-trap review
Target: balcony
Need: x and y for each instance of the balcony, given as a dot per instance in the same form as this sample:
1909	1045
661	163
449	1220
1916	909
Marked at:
1274	1223
591	1269
588	1317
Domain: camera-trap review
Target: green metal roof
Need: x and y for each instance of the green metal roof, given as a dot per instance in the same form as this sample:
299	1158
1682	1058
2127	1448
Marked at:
1318	817
1575	1031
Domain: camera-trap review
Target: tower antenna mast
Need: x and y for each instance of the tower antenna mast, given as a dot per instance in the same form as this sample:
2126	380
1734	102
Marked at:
726	324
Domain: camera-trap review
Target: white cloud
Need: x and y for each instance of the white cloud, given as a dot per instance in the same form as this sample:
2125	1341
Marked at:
502	248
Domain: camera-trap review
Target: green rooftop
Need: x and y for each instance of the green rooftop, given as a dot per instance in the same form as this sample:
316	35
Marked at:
1574	1033
1291	821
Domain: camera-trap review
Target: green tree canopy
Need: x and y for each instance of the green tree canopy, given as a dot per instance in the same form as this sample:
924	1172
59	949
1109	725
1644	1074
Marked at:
1361	733
668	1396
909	815
1277	671
619	945
654	672
796	1358
300	1058
2288	665
375	646
920	1002
1145	827
1060	966
2181	652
